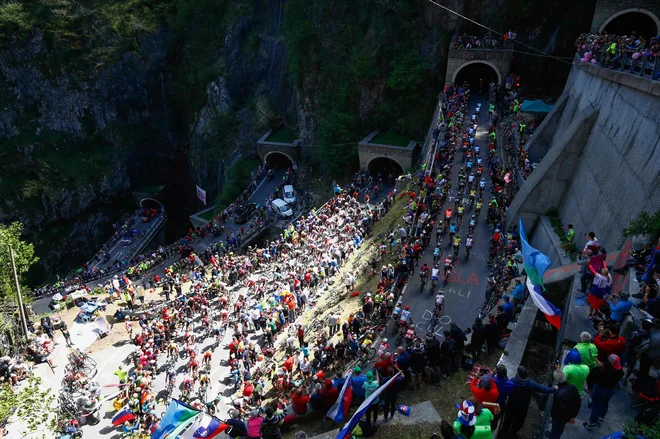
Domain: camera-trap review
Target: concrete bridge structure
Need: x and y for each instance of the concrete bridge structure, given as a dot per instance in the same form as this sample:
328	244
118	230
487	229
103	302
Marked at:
599	152
371	154
609	10
270	152
498	60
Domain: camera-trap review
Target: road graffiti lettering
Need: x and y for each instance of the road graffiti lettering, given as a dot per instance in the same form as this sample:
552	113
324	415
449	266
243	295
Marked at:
426	324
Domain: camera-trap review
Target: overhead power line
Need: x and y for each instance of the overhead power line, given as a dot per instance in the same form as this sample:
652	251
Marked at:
495	32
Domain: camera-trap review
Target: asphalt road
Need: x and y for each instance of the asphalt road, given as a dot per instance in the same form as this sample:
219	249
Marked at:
465	292
119	250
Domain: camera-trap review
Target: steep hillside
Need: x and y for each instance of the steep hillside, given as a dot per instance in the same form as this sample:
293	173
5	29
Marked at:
103	96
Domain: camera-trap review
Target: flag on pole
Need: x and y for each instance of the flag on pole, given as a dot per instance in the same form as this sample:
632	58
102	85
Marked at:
206	427
340	408
122	416
345	432
175	420
552	313
534	261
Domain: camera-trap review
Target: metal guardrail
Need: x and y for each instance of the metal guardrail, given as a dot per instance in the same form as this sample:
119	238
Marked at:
644	66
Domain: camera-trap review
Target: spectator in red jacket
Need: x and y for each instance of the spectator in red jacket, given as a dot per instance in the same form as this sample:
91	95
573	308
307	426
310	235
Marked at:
300	401
484	389
608	341
329	394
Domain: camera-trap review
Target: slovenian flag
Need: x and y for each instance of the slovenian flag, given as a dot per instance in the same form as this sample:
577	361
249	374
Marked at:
552	313
534	261
122	416
176	419
340	408
345	432
205	427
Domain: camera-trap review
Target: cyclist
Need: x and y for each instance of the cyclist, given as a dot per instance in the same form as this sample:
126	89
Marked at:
480	170
187	385
452	231
470	180
469	241
193	366
477	208
459	213
435	273
439	234
204	381
170	376
437	254
172	350
457	245
482	184
206	360
476	150
440	301
406	318
472	223
424	273
449	265
468	165
448	215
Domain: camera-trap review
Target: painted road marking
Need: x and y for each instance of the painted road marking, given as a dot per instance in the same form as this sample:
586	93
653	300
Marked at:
426	323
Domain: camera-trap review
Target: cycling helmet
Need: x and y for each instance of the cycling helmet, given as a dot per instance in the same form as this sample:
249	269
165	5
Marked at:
497	230
407	308
384	340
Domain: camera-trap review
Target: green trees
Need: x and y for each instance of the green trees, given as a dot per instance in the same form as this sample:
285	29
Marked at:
29	406
23	255
645	225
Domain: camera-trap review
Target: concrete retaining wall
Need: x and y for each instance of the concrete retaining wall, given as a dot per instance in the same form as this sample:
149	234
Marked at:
602	166
606	10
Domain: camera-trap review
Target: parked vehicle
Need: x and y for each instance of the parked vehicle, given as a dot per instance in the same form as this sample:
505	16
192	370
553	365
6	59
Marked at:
289	194
282	209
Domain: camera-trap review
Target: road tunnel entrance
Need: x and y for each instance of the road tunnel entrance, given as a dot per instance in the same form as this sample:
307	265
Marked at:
278	160
643	24
385	166
478	74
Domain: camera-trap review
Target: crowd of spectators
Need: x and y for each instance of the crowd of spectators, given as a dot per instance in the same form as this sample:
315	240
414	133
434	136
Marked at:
614	51
465	41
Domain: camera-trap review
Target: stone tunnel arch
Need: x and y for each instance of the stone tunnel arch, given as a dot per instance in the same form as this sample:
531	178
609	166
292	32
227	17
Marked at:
641	17
385	166
469	63
278	159
152	203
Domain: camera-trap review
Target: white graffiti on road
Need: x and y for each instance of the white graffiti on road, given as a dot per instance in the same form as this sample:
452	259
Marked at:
428	324
459	293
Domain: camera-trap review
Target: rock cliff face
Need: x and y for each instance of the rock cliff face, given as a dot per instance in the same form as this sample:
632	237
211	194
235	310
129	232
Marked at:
99	100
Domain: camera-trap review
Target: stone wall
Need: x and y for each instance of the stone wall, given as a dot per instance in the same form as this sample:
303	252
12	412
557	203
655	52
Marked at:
368	151
602	166
499	60
607	9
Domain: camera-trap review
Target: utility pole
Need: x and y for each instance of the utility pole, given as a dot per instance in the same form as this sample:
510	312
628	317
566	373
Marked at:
21	311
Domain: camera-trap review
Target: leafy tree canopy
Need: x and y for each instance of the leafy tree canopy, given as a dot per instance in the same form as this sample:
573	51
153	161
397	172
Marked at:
10	234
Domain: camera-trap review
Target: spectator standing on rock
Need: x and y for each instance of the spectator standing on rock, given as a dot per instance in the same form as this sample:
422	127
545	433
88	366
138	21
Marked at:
565	405
519	401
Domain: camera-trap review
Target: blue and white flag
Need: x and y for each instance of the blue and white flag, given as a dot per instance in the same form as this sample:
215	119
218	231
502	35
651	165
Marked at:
348	428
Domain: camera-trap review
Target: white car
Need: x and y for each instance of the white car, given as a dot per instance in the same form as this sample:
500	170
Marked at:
282	208
289	195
